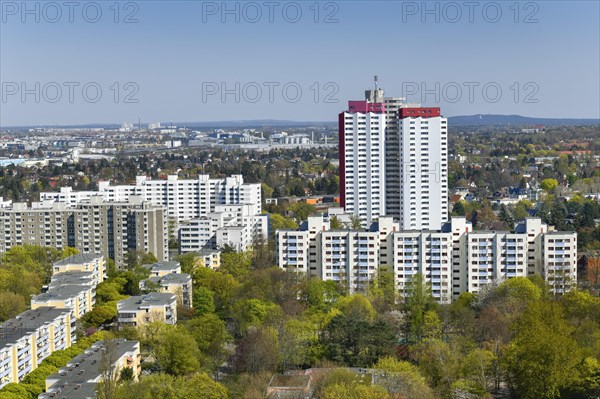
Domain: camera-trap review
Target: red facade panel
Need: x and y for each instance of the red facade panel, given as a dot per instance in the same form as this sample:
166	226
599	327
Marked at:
365	106
418	112
342	148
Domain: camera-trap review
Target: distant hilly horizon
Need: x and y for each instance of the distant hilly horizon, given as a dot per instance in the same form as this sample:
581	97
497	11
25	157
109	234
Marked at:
461	120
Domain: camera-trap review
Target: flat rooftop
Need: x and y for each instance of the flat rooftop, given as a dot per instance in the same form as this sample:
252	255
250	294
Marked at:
72	278
28	322
134	303
79	378
61	292
162	266
171	278
78	259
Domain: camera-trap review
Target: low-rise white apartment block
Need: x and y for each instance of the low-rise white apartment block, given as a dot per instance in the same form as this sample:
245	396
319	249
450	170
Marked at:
80	377
139	310
351	257
229	225
427	253
452	260
30	338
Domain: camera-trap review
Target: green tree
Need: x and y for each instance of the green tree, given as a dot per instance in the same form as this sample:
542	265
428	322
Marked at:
355	391
164	386
402	379
477	366
11	304
280	222
437	362
541	358
236	263
208	330
519	288
357	342
222	285
459	209
302	210
176	351
201	386
203	300
418	300
335	224
549	185
355	223
357	307
101	315
254	312
257	351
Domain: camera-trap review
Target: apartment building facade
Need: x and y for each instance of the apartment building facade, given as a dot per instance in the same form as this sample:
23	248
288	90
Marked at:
92	226
394	161
452	260
184	199
362	161
160	269
83	262
140	310
179	284
78	298
423	165
233	225
80	377
30	338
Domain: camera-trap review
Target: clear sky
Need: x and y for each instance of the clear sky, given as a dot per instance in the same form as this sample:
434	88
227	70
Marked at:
173	60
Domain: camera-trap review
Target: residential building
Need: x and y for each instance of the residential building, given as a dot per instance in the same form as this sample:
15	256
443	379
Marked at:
92	226
51	226
88	262
139	310
184	199
351	257
79	299
560	261
80	377
233	225
362	159
452	260
423	140
211	258
179	284
394	161
30	338
160	269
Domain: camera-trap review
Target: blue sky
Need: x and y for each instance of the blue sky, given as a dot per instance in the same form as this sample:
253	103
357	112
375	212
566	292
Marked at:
530	58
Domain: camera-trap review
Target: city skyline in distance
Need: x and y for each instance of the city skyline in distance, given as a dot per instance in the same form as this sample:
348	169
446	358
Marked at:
454	121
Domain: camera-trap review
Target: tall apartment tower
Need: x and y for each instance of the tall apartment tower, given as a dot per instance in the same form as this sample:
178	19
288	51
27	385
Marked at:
362	157
394	161
423	144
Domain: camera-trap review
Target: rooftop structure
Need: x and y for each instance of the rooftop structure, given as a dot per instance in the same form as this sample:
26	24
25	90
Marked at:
31	337
139	310
80	377
160	269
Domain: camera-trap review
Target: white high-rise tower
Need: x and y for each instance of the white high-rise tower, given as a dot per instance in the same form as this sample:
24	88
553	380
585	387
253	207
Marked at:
394	161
